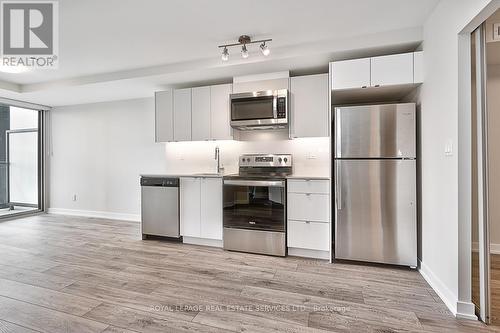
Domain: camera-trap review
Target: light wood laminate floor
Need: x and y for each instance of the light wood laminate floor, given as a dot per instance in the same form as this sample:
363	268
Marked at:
68	274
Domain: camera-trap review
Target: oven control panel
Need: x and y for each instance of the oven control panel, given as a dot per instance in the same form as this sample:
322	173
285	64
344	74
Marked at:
266	160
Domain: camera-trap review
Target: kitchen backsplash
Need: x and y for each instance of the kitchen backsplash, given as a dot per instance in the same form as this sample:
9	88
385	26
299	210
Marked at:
311	156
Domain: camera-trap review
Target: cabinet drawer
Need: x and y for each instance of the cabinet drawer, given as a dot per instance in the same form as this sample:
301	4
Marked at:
309	235
309	207
308	186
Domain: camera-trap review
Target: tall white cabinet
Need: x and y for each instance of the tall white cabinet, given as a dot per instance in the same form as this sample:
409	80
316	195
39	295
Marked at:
220	112
164	117
182	114
309	96
200	113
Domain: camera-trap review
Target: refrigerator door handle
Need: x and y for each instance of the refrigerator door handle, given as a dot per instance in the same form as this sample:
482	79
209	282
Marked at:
338	133
338	186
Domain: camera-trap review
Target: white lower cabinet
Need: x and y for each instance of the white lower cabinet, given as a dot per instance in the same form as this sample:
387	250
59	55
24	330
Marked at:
201	207
211	208
308	211
309	235
190	206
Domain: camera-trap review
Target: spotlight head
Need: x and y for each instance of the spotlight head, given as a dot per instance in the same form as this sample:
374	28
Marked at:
225	54
244	51
264	49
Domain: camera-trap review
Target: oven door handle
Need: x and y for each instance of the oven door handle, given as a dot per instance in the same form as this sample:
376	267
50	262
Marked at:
262	183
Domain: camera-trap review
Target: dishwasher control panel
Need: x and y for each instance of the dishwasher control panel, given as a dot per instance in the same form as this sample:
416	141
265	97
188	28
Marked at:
160	181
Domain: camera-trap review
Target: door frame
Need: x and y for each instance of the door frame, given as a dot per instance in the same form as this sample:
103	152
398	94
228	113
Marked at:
465	307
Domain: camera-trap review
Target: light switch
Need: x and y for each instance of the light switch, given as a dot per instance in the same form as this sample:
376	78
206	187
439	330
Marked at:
448	148
496	31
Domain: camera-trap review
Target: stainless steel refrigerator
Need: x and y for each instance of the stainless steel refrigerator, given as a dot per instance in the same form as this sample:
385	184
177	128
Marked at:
375	183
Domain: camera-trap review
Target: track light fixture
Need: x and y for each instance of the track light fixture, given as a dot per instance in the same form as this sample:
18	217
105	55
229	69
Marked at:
243	41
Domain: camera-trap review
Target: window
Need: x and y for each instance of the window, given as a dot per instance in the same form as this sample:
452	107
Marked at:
20	160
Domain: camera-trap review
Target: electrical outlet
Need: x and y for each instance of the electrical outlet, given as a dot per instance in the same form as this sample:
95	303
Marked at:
496	31
74	198
311	156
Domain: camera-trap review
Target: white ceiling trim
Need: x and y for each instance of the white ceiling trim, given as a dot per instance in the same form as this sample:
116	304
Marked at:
292	51
142	82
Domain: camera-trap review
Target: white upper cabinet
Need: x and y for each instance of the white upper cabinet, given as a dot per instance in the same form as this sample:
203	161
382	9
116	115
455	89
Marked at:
351	74
418	67
392	69
309	106
182	114
200	113
164	120
220	112
193	114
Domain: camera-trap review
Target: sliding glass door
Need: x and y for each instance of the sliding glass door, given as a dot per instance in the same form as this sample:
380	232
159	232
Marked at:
480	218
21	166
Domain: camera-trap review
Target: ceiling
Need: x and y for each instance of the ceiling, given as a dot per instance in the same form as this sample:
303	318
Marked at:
118	49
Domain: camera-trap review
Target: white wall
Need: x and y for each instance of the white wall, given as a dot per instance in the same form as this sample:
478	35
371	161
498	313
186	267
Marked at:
439	125
99	151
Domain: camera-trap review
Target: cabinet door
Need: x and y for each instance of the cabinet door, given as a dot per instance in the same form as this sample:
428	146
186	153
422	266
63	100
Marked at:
200	112
418	67
392	69
309	106
190	206
164	119
220	112
211	208
182	114
351	74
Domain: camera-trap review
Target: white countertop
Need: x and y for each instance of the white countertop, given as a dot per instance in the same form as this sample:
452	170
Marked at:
308	177
201	174
214	175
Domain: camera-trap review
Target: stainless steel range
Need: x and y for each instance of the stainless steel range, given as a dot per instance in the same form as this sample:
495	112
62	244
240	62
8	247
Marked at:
255	205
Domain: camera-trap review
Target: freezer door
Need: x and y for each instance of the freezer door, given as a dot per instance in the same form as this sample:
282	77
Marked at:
376	211
378	131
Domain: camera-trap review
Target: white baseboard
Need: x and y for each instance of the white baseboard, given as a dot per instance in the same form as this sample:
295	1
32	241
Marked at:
202	241
95	214
466	310
292	251
449	299
462	310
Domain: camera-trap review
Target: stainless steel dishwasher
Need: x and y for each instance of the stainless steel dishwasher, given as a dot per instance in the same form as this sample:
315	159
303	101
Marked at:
160	207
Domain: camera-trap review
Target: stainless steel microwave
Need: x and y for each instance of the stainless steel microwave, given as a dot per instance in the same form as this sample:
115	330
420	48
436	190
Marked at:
260	110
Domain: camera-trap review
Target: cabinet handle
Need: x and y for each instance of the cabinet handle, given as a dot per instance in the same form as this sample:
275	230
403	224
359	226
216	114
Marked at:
364	87
377	85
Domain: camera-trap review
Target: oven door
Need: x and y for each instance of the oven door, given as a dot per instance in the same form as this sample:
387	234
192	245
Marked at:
255	205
